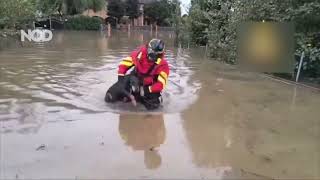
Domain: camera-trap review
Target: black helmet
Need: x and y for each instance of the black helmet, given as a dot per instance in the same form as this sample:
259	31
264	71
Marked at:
156	49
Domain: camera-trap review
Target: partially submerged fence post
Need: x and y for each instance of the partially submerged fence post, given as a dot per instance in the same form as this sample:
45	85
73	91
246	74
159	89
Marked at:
206	53
300	66
50	22
109	30
129	30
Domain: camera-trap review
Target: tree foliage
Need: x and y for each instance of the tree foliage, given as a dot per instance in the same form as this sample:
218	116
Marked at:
96	5
48	7
68	7
19	13
176	19
116	8
162	12
16	13
72	7
83	23
214	23
131	9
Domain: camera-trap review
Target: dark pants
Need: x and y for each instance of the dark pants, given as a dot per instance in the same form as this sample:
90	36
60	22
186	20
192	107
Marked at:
121	89
150	101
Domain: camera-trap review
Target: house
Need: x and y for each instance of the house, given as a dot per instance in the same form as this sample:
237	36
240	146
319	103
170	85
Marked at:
139	21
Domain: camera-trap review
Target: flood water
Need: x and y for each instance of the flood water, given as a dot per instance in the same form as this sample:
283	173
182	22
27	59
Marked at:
216	121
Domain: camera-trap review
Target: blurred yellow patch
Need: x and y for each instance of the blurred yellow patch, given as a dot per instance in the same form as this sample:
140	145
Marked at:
266	47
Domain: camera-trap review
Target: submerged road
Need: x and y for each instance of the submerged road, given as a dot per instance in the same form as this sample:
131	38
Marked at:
216	122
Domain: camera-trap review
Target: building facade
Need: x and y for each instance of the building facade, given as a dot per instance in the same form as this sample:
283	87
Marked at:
139	21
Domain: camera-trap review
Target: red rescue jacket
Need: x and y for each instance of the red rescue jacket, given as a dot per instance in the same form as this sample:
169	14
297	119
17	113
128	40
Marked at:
158	74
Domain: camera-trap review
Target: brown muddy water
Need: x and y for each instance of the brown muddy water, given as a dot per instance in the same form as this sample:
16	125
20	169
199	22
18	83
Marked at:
216	122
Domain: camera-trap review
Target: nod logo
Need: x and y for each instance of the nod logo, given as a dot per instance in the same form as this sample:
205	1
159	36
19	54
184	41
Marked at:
37	35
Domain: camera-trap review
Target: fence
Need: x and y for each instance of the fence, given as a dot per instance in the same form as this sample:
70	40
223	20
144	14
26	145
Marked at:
153	28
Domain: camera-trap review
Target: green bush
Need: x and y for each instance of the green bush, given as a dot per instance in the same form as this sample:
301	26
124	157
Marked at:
83	23
214	23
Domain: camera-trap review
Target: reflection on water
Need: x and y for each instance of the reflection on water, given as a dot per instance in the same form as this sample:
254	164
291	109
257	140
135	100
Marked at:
216	122
144	133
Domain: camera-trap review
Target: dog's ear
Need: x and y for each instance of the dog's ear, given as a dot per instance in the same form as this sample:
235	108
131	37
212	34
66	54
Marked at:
108	97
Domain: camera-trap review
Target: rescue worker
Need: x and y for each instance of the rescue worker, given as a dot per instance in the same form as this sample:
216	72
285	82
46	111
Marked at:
151	69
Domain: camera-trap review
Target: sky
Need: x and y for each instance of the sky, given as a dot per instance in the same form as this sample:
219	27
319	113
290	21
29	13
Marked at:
184	5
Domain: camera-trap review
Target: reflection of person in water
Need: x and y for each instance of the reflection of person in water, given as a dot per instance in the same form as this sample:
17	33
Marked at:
144	133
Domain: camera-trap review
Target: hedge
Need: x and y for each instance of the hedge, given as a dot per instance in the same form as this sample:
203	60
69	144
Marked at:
83	23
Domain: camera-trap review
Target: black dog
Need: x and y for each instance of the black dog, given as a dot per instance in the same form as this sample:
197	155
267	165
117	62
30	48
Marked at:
123	90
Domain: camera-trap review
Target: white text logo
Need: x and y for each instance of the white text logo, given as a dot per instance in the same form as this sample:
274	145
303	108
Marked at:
37	35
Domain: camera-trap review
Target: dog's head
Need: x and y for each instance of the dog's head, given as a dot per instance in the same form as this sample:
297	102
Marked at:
134	84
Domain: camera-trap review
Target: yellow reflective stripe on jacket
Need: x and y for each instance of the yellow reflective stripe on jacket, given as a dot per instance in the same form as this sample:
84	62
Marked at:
163	78
158	61
127	61
164	74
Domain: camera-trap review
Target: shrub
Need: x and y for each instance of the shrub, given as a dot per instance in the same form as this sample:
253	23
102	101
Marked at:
83	23
214	23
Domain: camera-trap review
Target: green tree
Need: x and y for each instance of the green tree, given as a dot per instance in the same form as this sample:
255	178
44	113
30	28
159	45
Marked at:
68	7
49	7
116	9
83	23
16	13
199	24
19	13
214	22
176	19
76	6
96	5
132	9
161	12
